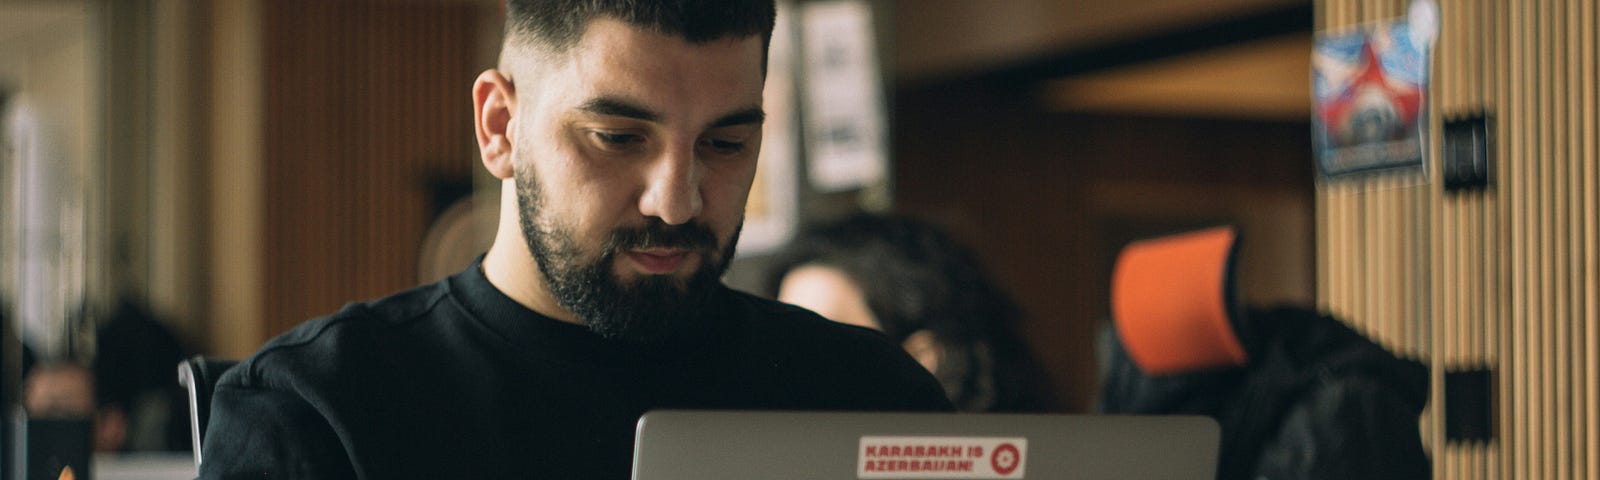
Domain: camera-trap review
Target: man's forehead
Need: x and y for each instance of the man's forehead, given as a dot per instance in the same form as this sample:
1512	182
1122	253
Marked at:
619	68
610	36
606	36
608	25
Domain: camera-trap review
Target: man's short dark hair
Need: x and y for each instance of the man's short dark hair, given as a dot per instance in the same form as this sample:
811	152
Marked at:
556	25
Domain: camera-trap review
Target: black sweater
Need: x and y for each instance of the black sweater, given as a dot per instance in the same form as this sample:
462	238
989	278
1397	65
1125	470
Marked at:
456	380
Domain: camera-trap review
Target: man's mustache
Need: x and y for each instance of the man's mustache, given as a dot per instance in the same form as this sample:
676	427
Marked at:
691	236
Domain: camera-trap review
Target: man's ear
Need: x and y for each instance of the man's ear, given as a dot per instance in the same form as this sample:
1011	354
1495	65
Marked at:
494	101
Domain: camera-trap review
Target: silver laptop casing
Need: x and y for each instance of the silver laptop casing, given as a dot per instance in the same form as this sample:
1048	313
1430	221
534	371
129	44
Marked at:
720	445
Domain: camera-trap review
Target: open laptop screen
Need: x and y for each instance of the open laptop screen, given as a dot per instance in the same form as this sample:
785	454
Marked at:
712	445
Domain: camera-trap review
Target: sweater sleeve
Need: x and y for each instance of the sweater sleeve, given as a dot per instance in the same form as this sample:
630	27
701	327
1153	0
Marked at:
259	433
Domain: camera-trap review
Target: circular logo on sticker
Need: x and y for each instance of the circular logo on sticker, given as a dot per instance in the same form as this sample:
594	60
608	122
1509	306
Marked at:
1005	459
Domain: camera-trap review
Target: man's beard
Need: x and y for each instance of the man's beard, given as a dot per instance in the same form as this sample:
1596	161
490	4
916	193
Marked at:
655	310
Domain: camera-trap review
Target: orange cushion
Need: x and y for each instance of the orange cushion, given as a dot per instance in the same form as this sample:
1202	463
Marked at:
1170	299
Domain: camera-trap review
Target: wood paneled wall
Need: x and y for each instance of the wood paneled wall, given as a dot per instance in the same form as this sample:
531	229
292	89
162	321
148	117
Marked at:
1506	277
366	105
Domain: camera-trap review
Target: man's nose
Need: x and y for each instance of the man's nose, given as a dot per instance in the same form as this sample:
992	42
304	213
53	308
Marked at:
672	187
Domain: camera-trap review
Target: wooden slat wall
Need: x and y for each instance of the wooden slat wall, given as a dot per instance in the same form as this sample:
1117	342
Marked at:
1504	278
366	103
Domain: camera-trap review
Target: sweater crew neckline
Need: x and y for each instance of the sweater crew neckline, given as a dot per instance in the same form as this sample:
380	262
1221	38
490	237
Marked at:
542	336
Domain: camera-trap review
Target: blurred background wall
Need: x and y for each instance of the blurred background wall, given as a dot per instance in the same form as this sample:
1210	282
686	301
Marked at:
48	83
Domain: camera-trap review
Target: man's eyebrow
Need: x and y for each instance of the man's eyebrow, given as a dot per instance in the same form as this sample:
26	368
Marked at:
742	117
612	107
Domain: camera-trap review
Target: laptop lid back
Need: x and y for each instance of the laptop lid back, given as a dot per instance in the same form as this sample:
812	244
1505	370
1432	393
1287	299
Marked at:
711	445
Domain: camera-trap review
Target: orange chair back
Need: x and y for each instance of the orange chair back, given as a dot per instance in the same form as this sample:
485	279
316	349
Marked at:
1172	301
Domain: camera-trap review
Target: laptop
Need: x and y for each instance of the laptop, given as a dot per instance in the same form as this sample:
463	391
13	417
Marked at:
712	445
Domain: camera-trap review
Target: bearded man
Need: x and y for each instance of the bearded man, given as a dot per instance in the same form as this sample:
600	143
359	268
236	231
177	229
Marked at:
625	134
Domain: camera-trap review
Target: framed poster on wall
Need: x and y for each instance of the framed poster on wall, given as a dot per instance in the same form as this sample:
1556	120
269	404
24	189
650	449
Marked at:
845	124
1370	87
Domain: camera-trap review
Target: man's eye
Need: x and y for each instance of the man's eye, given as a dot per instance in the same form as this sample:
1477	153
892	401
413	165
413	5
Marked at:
725	147
617	140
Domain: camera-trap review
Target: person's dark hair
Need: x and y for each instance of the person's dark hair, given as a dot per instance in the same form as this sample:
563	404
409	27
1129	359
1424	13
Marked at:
134	363
915	277
556	25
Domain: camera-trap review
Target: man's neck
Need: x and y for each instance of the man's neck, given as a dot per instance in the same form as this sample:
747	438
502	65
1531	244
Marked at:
512	270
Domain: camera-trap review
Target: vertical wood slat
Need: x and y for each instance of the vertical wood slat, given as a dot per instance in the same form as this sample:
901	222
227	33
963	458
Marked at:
1572	227
1447	244
1529	462
1499	18
1415	304
1353	240
1487	29
1556	240
1589	48
1369	239
1587	21
1449	461
1559	276
1449	65
1509	127
1533	441
364	106
1543	159
1377	225
1490	25
1538	291
1575	235
1574	280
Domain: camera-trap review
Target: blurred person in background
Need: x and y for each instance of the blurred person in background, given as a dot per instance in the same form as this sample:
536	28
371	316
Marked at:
912	281
135	366
1297	393
1315	400
130	388
66	390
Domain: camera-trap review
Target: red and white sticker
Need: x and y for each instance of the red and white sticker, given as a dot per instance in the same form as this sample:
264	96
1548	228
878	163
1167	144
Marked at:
942	457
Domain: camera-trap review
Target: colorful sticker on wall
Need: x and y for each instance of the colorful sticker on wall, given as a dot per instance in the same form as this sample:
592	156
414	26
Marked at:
1371	91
